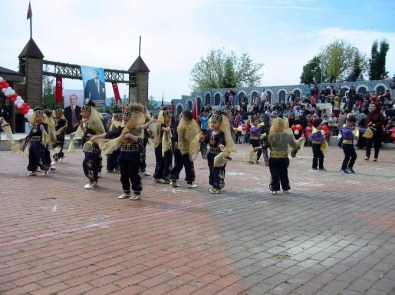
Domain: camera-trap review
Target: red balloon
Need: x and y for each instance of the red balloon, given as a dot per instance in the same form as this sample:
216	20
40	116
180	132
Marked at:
324	127
293	127
392	135
299	127
327	132
12	97
243	127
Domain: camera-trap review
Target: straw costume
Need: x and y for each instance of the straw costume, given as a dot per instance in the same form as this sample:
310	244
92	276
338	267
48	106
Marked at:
36	143
92	124
221	145
127	138
163	134
112	159
282	143
147	135
186	149
60	127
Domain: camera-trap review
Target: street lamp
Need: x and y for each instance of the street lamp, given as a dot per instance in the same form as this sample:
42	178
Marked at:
320	66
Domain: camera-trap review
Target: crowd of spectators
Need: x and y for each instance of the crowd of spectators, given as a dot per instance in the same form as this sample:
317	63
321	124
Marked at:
330	105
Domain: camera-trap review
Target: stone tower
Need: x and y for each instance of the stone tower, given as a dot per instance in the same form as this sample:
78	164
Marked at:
138	82
31	66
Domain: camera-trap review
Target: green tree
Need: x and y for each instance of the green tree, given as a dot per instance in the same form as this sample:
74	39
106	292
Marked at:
152	104
311	71
221	70
340	61
48	99
378	59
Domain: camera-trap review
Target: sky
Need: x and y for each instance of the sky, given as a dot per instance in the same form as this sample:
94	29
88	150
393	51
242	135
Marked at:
283	35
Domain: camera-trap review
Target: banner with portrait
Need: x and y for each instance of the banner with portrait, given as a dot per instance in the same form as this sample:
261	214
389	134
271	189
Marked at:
93	80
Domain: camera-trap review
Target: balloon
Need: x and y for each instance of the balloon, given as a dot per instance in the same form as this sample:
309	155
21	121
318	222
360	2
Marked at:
327	132
308	131
299	127
293	127
324	127
323	132
19	104
392	135
244	127
12	97
243	132
240	128
296	132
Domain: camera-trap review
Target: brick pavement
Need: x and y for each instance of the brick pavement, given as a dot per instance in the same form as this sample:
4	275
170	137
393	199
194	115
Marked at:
334	234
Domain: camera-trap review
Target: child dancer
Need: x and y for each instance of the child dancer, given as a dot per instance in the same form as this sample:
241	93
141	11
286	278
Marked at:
163	151
128	138
60	127
318	145
186	150
282	142
37	140
221	145
112	159
349	134
92	124
255	137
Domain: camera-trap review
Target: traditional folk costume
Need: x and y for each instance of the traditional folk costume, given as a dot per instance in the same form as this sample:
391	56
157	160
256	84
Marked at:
282	142
255	141
112	159
349	133
92	125
216	158
130	149
319	145
143	155
60	127
163	149
186	149
36	142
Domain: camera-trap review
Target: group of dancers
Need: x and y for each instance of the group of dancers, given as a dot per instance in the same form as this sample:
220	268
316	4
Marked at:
125	146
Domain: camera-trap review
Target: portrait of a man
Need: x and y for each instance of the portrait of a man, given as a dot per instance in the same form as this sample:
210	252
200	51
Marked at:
95	88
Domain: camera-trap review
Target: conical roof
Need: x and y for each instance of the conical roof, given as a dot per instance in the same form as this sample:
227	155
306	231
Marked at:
139	66
31	50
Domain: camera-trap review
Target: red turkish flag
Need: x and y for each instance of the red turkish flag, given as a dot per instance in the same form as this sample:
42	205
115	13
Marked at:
29	12
195	112
116	92
59	90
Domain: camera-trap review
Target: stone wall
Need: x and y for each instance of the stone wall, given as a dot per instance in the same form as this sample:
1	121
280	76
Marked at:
276	93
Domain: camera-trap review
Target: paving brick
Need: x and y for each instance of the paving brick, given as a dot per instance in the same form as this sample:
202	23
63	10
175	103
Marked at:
332	234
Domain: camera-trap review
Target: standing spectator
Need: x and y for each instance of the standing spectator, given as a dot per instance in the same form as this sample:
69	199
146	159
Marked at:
375	122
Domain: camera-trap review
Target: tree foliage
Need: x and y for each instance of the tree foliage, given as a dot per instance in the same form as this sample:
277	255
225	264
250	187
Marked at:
311	71
378	59
48	86
341	61
152	104
220	70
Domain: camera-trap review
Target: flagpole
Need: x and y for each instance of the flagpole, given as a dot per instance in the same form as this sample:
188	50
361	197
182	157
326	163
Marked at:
31	30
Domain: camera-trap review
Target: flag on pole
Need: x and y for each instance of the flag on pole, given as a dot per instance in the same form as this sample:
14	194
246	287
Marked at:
59	90
29	12
116	92
195	111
